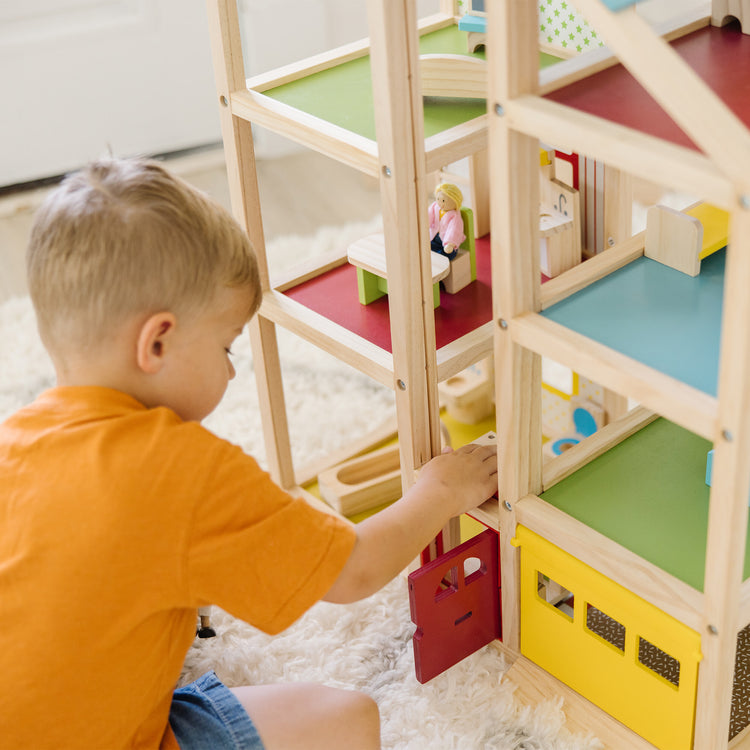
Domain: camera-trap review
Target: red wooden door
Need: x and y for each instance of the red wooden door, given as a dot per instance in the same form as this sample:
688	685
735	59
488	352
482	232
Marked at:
455	604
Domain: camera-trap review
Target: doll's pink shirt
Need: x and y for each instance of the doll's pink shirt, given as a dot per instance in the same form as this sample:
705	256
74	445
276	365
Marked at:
450	226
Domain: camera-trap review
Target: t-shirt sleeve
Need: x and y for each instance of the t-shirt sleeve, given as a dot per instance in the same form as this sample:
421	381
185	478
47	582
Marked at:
256	551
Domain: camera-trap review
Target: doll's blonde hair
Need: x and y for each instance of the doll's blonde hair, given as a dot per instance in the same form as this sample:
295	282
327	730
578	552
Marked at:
452	192
125	237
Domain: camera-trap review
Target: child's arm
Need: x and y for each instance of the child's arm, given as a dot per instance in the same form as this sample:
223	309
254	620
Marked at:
448	485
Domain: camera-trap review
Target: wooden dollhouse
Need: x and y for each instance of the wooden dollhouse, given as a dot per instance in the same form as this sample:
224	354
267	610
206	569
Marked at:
623	576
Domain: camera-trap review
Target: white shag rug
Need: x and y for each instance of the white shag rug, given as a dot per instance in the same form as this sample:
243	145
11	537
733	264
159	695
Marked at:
366	645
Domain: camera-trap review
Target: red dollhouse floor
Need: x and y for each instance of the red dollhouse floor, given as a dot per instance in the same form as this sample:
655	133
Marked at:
720	56
334	295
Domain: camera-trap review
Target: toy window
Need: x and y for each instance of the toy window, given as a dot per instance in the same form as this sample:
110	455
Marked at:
448	585
473	568
555	595
659	661
605	627
740	717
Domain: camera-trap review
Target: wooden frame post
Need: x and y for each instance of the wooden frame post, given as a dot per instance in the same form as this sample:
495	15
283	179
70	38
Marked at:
399	128
728	509
516	280
239	153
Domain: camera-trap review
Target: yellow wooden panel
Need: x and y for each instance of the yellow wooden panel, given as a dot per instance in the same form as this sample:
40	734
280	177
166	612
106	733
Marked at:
628	668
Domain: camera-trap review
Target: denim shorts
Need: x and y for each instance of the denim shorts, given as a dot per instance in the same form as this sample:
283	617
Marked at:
206	715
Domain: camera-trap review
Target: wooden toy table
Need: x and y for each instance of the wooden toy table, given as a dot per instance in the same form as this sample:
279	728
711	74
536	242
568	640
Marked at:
368	256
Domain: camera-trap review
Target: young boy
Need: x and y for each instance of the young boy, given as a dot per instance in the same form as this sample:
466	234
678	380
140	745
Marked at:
120	514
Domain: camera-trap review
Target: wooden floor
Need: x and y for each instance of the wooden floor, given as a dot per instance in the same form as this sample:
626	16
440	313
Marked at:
299	194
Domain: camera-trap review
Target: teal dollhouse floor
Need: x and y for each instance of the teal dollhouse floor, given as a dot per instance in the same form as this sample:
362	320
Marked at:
656	315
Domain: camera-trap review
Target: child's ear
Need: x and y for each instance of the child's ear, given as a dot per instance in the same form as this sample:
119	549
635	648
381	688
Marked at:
154	339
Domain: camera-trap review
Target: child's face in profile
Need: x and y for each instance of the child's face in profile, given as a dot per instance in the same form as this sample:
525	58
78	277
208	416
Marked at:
199	364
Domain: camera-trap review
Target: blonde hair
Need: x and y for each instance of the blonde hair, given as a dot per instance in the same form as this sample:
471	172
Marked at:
126	237
452	192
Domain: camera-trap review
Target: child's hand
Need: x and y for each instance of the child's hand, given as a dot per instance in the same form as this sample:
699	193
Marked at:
448	485
462	478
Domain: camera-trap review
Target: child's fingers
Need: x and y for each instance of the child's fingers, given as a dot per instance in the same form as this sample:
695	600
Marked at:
485	452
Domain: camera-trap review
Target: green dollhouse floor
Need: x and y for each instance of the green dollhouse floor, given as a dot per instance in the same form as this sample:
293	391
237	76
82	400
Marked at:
342	95
649	495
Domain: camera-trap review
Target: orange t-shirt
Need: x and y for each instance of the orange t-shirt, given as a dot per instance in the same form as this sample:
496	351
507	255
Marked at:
116	523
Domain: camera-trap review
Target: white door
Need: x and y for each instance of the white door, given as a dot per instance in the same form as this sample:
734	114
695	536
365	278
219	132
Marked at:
82	78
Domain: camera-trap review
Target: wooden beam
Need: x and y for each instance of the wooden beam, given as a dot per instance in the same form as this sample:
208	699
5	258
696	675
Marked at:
641	577
600	442
329	336
479	177
730	487
704	117
400	133
455	143
596	268
745	603
681	403
331	58
229	72
514	173
382	434
638	154
582	66
311	131
464	352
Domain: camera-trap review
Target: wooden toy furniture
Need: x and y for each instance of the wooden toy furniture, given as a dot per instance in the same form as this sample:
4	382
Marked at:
586	417
204	629
723	11
368	255
560	243
463	268
559	246
469	396
562	389
682	239
362	482
453	76
474	23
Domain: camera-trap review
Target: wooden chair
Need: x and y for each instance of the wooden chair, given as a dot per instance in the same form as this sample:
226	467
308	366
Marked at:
463	268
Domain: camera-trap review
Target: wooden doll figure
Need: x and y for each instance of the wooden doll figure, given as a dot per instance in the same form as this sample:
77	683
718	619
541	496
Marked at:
446	224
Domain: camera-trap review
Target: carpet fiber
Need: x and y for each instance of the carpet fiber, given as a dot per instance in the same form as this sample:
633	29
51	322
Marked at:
364	646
